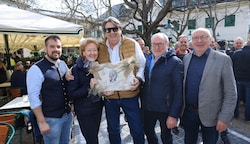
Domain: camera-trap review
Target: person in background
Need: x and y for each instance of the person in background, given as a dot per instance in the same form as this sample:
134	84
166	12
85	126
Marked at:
88	109
143	47
3	69
27	65
241	59
18	78
237	45
114	48
213	44
162	92
182	48
69	62
46	84
222	46
209	99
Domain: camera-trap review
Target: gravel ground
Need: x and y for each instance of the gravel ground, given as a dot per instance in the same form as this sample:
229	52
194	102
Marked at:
238	125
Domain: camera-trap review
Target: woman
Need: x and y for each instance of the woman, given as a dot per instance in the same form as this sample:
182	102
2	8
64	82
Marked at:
88	109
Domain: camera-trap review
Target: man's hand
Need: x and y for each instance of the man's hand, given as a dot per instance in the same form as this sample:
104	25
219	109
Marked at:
44	127
135	84
221	126
171	122
69	75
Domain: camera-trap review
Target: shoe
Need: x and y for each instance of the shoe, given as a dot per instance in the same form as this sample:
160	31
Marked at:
175	130
225	140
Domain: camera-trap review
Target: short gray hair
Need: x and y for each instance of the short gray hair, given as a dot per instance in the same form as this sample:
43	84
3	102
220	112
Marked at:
113	20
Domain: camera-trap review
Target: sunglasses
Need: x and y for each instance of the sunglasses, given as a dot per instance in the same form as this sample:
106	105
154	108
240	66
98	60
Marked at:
114	29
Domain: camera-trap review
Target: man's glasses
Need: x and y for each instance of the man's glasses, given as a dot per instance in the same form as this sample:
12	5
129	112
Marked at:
158	44
114	29
202	38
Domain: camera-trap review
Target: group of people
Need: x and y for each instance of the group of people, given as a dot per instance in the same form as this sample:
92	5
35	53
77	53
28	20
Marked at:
197	86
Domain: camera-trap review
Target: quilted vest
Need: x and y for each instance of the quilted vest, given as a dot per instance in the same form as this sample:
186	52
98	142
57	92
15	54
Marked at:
127	49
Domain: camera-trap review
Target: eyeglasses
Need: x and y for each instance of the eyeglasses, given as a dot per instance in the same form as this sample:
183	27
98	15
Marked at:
202	38
158	44
114	29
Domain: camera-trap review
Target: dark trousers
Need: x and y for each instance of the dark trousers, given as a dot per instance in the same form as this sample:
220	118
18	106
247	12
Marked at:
150	119
89	124
243	90
130	107
192	123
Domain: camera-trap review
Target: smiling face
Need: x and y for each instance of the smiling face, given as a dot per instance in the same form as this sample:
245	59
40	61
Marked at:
201	40
90	52
53	49
112	33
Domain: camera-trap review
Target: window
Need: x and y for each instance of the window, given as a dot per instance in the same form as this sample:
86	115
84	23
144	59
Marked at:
139	28
191	24
230	20
209	22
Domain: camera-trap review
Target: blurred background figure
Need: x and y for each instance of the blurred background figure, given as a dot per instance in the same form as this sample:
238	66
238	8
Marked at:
241	67
69	62
145	49
213	44
237	45
27	65
18	78
3	69
222	45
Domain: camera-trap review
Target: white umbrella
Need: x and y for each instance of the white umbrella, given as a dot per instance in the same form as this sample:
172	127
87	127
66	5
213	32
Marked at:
18	21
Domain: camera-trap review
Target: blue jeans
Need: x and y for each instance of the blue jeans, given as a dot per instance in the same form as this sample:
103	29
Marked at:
192	123
130	107
60	130
243	88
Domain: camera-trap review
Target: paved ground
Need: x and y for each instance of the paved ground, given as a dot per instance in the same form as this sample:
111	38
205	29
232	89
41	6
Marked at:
239	133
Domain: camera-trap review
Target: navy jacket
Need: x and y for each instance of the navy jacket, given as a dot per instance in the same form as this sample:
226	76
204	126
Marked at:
241	59
79	87
162	91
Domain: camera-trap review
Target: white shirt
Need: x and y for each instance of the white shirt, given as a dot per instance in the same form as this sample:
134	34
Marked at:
115	57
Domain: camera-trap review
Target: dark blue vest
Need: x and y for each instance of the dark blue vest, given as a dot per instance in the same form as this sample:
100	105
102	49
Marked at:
53	93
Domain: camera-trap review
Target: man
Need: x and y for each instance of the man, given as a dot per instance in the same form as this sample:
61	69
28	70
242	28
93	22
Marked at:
114	48
144	48
241	67
182	48
47	94
209	90
237	45
162	92
213	44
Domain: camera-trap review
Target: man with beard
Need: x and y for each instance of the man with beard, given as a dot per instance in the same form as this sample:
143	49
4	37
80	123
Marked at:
46	83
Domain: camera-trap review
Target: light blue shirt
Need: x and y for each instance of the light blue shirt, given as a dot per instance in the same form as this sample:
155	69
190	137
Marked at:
35	79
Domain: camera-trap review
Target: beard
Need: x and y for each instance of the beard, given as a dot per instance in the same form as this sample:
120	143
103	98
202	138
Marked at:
53	58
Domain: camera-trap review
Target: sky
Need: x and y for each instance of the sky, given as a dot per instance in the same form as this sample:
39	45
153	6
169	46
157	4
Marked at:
45	4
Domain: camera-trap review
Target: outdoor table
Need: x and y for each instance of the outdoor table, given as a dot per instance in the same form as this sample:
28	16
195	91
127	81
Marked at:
17	103
5	85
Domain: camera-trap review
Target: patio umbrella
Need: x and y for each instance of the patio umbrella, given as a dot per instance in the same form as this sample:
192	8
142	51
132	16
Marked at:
18	21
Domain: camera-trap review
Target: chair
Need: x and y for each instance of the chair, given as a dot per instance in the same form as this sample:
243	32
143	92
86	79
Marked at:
12	118
3	100
15	92
7	133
